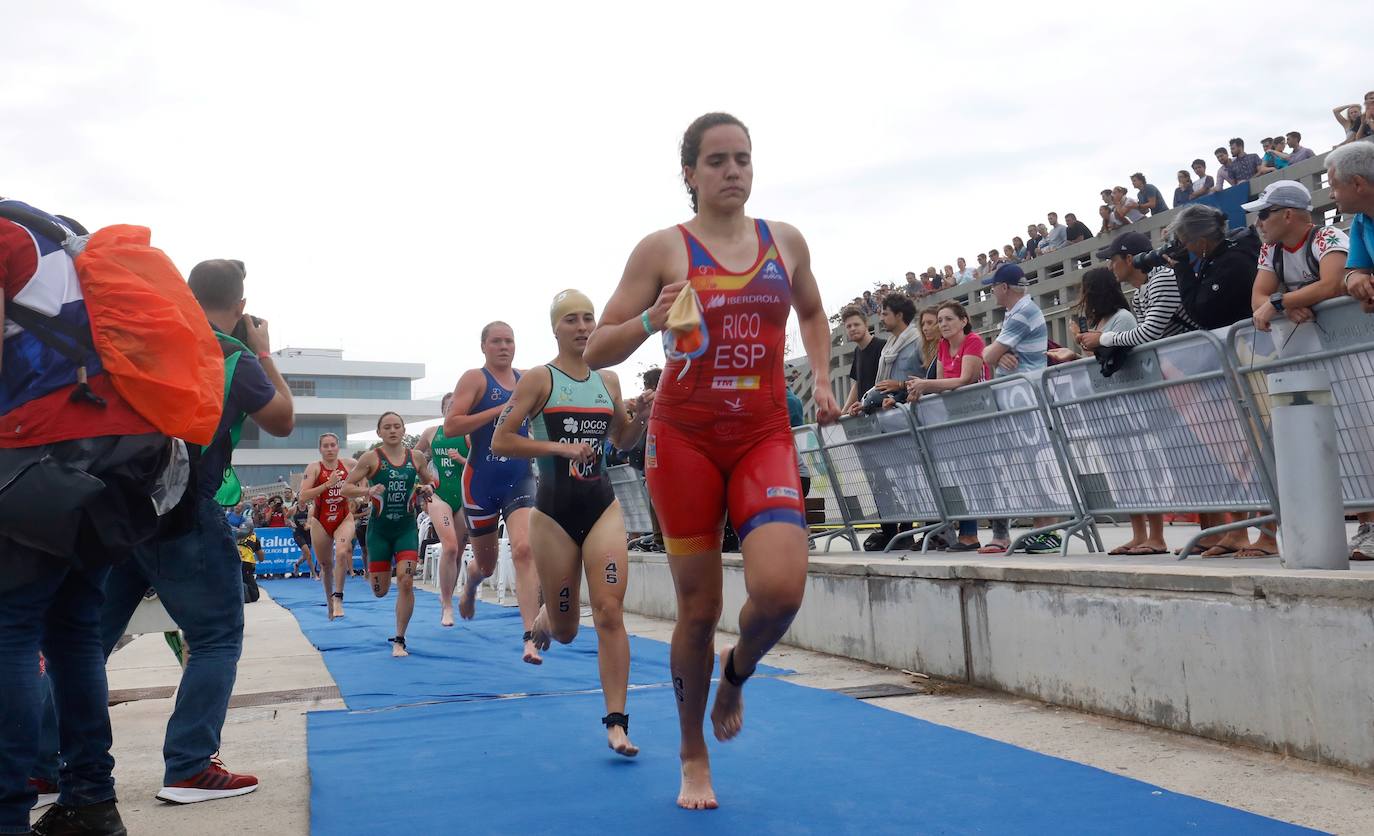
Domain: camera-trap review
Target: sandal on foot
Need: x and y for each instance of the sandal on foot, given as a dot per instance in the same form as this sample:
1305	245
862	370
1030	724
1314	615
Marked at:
995	547
1252	553
963	547
1122	550
1218	551
1145	551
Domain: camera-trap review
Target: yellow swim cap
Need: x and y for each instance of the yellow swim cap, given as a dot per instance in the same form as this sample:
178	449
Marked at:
570	301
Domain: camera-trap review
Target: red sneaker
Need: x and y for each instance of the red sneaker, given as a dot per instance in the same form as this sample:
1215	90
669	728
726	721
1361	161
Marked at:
213	782
47	793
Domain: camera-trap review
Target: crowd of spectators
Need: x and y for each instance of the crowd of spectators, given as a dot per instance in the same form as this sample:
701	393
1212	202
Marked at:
1118	208
1272	274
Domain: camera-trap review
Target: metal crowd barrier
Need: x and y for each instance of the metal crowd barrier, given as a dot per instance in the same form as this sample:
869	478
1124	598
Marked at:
1340	341
824	485
1182	425
878	474
992	454
1166	433
629	488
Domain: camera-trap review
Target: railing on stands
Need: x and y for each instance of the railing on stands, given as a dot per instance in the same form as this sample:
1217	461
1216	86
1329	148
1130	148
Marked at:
269	490
629	488
877	474
1340	341
825	483
1167	432
993	456
1182	425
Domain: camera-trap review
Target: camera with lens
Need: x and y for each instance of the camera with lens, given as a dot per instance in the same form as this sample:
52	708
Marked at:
1172	249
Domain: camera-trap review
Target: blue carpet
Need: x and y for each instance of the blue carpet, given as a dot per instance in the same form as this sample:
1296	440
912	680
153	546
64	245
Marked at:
425	750
471	660
809	761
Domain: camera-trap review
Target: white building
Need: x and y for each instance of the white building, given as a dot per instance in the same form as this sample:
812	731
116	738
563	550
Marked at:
331	394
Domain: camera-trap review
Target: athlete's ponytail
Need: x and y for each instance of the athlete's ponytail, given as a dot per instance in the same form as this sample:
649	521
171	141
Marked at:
691	143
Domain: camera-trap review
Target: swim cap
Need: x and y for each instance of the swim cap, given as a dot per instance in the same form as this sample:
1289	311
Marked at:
570	301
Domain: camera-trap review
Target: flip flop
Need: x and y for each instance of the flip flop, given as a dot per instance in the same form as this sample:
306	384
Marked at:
1254	553
1217	551
1144	551
1122	550
994	548
1196	550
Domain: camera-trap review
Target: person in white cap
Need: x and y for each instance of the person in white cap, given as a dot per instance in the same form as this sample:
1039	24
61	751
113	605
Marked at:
574	414
1300	263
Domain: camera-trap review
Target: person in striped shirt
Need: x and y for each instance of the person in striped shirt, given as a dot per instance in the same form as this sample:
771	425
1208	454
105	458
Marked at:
1157	306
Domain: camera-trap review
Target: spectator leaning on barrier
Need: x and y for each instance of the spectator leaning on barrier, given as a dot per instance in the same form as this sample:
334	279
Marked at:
965	274
982	269
1273	159
960	361
869	305
1350	170
901	355
1216	276
1058	234
1204	183
1126	207
1184	192
1102	307
863	371
1223	170
1018	245
1156	305
1020	348
930	340
949	279
1243	166
913	287
1076	230
1296	152
1148	196
1300	263
1109	220
1033	241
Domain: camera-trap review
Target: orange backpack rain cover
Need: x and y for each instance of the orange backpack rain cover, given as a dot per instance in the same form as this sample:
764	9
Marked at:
151	334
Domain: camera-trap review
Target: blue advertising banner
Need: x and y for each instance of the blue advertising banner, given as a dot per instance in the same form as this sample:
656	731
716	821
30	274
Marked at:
280	552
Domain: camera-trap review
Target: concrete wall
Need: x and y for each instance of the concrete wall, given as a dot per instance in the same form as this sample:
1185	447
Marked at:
1283	662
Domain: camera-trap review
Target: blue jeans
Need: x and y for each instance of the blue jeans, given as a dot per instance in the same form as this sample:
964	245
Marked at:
198	580
56	612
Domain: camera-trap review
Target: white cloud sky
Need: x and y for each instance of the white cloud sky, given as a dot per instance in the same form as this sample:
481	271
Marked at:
395	177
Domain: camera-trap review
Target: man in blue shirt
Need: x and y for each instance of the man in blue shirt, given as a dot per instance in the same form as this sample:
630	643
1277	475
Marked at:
1021	347
1350	169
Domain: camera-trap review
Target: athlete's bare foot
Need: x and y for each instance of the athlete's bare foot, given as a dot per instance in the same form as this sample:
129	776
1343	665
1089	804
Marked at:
446	619
727	714
398	647
532	656
467	600
618	740
539	631
696	792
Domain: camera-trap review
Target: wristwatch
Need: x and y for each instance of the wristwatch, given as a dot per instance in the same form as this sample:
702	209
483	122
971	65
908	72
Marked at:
1276	299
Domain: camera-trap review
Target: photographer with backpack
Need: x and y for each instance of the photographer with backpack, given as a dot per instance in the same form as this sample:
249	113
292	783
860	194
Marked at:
197	575
80	465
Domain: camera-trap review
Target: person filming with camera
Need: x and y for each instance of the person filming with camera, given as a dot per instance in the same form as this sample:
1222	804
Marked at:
1217	272
1157	307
